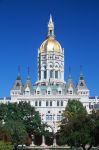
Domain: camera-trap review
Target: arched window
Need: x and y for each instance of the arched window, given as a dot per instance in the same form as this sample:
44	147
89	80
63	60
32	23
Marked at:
38	90
51	73
56	74
44	74
49	91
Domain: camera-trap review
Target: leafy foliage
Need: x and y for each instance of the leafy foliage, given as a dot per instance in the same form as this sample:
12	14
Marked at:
77	128
18	122
6	146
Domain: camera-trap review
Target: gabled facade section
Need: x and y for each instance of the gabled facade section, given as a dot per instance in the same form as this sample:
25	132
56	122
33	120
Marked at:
82	88
71	90
17	87
27	90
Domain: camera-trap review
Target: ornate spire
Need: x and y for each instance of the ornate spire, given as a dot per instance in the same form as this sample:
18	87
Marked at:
50	27
81	73
18	76
69	76
28	77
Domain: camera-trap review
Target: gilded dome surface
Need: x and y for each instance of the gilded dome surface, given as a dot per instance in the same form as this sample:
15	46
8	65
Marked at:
50	45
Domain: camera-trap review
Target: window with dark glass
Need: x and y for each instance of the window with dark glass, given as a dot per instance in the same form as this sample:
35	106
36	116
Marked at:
57	103
61	103
60	92
51	73
56	74
38	92
35	103
70	92
44	74
39	103
49	92
81	84
46	103
18	84
50	103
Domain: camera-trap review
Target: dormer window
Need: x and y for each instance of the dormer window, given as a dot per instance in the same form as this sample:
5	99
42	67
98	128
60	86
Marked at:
60	92
18	84
81	84
38	92
49	92
70	92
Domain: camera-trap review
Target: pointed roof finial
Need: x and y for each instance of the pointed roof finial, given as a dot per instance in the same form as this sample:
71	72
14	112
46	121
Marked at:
50	20
18	76
50	27
69	73
81	73
28	73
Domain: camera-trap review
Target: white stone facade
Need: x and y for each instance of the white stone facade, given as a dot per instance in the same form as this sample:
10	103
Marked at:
50	94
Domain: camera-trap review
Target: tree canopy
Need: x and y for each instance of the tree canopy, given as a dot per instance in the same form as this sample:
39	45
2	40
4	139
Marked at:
77	127
18	121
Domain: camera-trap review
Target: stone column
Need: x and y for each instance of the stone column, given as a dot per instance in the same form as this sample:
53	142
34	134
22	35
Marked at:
32	140
43	141
54	141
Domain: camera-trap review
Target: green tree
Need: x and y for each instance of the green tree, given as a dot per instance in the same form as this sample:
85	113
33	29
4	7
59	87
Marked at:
17	132
6	146
77	127
17	117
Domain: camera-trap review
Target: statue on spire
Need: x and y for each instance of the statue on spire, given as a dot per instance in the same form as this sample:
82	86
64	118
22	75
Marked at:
50	27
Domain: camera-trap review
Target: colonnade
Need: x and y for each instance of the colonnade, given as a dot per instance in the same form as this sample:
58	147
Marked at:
43	142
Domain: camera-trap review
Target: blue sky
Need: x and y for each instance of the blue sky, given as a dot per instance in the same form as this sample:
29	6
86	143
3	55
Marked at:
23	27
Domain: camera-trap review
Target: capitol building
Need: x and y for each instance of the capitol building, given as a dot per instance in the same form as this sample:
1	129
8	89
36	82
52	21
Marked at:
50	93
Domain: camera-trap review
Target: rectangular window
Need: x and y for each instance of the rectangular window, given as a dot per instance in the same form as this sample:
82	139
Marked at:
44	74
35	103
51	73
50	103
57	103
39	103
49	92
60	92
46	103
70	92
47	117
38	92
59	117
56	74
61	103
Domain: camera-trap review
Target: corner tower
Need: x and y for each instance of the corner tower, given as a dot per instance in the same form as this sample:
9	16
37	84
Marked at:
50	59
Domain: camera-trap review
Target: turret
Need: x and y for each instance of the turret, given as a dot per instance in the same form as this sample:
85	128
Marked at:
28	85
82	88
70	88
17	87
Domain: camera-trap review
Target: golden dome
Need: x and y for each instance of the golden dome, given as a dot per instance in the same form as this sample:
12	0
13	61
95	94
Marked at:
50	45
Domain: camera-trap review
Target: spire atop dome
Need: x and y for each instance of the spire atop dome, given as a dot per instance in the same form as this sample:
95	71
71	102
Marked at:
50	18
50	27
